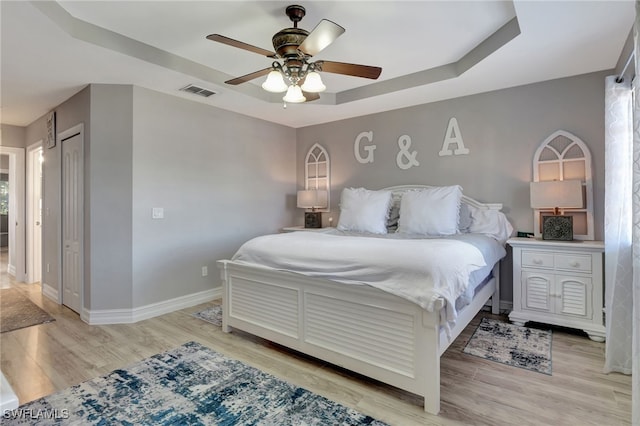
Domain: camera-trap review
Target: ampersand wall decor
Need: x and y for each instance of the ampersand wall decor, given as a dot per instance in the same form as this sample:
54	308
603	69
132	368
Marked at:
405	159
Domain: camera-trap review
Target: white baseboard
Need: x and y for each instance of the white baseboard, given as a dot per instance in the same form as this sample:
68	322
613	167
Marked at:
50	292
128	316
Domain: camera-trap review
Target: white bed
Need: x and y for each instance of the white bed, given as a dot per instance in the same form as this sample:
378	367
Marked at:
359	327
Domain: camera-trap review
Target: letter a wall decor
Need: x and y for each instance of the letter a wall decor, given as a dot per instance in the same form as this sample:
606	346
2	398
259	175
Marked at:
453	136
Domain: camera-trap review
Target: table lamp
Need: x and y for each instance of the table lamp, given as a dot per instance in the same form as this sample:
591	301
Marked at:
555	195
312	199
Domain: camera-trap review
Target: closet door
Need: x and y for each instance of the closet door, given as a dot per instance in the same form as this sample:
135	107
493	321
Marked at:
72	221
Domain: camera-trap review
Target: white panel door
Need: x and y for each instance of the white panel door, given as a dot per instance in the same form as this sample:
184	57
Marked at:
34	214
72	221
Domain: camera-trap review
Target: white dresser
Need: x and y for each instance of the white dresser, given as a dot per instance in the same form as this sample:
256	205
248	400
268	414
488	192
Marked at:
559	283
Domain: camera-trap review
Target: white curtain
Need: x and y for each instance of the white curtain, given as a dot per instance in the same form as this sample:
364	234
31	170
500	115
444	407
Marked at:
622	226
618	225
635	380
635	355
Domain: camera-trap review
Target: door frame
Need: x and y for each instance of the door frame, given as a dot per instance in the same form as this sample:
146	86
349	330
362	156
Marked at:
60	138
17	249
34	163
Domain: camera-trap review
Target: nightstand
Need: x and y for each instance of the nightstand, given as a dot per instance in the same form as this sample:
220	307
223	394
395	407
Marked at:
302	228
559	283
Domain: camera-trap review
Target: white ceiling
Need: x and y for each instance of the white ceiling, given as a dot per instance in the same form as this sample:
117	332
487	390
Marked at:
51	50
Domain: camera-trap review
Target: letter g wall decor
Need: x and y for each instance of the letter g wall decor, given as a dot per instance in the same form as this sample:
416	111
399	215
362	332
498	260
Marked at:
368	158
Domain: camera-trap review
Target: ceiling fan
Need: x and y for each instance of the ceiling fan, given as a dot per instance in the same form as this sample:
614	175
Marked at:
295	47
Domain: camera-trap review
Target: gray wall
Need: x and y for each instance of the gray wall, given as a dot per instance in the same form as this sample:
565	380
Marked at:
108	229
221	178
502	130
68	114
12	136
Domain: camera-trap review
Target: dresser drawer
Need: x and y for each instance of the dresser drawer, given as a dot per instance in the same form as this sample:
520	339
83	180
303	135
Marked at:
537	259
573	262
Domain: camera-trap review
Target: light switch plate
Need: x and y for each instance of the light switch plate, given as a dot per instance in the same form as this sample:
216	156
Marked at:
157	213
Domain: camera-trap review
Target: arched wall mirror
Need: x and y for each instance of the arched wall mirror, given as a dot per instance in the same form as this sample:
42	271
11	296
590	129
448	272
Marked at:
317	172
563	156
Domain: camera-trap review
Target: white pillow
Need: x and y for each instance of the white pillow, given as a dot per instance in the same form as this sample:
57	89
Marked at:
431	211
490	222
362	210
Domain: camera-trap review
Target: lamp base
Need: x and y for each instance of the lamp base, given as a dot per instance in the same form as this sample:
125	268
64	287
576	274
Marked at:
312	220
557	228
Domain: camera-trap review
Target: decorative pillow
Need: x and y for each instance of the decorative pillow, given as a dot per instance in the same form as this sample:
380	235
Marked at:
465	218
431	211
394	215
490	222
362	210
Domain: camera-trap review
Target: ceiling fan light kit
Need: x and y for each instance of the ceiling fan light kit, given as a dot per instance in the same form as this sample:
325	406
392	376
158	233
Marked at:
313	83
295	47
274	82
294	95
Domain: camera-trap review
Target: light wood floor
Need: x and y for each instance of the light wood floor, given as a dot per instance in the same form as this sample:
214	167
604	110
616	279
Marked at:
43	359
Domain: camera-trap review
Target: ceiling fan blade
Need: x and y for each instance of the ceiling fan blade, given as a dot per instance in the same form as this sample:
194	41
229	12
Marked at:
311	96
355	70
322	35
248	77
241	45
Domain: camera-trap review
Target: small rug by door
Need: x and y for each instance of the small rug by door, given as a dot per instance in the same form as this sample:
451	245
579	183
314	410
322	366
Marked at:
212	315
17	311
188	385
523	347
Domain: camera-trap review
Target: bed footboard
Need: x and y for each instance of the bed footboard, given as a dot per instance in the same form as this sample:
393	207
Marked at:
360	328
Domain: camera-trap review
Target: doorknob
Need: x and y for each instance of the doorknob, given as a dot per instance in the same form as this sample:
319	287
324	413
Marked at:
38	223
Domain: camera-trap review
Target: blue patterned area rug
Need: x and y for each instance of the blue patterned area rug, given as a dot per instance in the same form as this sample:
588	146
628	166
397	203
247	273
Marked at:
523	347
212	315
190	385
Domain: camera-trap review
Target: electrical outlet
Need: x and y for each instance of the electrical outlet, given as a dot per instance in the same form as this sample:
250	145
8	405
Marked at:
205	271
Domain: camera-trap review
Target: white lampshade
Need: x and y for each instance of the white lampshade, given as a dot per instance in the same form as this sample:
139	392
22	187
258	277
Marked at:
294	95
274	82
313	83
556	194
312	198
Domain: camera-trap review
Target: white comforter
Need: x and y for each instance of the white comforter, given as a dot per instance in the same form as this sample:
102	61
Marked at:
419	270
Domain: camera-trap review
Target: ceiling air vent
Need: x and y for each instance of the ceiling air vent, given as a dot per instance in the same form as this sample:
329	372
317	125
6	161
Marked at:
200	91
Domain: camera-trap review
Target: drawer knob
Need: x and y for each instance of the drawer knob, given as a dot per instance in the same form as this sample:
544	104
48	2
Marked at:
537	261
574	263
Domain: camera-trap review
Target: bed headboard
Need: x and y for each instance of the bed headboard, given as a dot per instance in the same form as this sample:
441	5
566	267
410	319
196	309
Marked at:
398	190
